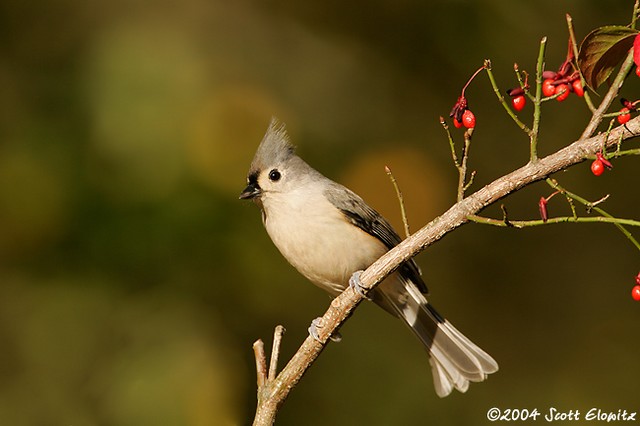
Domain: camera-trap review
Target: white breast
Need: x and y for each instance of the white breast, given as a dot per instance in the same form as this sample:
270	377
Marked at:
317	239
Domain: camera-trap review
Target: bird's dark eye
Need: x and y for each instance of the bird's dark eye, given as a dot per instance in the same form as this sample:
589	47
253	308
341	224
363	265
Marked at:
274	175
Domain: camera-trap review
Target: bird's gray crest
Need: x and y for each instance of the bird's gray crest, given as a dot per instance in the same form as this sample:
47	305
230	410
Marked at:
275	147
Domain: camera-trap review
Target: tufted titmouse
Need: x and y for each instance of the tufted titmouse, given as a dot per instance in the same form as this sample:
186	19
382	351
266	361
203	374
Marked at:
328	233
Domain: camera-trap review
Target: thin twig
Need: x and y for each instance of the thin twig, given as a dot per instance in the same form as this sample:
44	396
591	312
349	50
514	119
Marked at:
607	133
405	221
470	182
561	219
452	145
535	130
505	215
623	153
636	11
574	45
261	363
275	352
462	168
461	165
502	100
524	84
572	205
593	206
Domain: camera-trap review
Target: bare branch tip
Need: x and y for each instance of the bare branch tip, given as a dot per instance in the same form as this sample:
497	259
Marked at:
261	362
275	352
280	330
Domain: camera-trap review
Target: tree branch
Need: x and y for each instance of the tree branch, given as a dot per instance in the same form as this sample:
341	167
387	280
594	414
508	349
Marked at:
275	392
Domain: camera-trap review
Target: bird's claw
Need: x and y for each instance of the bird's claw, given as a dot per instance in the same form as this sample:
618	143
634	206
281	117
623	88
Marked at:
356	285
313	328
317	324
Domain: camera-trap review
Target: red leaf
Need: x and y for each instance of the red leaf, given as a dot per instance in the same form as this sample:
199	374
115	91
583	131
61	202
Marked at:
602	50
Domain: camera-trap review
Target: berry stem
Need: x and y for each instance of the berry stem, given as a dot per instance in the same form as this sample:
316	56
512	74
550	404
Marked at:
502	100
554	193
472	77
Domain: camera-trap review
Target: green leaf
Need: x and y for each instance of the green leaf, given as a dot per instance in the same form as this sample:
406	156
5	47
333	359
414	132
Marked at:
602	50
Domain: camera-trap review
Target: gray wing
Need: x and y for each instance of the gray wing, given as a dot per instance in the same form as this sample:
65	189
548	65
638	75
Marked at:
364	217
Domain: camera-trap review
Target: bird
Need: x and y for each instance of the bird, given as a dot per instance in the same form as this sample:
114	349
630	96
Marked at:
329	233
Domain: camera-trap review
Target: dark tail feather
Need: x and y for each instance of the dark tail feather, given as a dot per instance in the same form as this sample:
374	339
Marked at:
455	360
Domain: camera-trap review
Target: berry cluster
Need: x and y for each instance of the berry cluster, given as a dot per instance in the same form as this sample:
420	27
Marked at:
555	83
558	83
462	115
564	81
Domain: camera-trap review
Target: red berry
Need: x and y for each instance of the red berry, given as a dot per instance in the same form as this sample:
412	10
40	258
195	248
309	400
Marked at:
597	168
519	102
624	116
468	119
563	89
548	89
638	278
635	293
577	87
457	123
638	71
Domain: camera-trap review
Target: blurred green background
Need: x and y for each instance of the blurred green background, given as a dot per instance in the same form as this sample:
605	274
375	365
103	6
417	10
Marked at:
133	282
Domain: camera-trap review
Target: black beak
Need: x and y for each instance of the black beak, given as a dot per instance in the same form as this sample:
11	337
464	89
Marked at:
251	191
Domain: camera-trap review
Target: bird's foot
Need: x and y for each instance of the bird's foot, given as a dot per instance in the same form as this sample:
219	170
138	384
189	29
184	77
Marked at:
317	324
356	285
